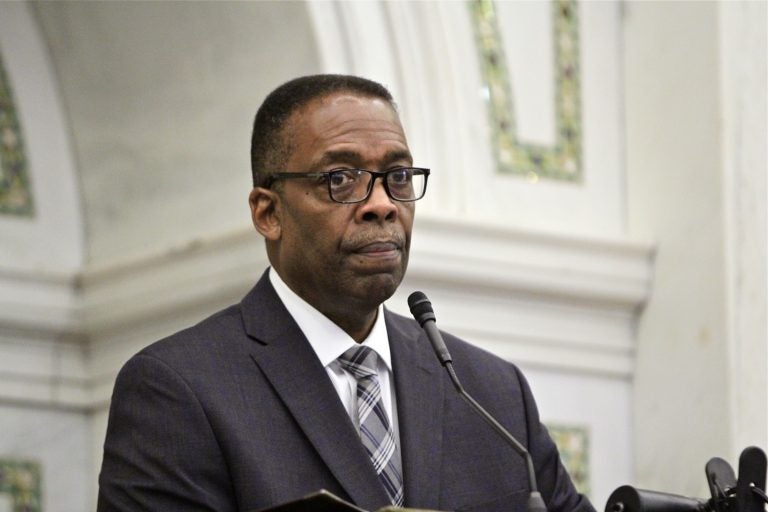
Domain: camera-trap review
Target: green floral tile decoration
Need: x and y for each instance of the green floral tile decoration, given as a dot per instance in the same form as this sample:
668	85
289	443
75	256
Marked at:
564	160
22	482
573	443
15	194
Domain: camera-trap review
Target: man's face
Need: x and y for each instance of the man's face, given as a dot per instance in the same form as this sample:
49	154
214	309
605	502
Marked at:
343	258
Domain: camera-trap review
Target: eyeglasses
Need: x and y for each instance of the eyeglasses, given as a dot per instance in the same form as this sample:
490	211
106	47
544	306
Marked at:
354	185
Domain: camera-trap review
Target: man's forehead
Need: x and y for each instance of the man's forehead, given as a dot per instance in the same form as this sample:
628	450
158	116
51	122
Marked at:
341	101
341	98
355	158
341	114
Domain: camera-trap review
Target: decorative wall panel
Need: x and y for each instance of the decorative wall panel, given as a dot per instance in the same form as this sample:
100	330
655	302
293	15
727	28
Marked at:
20	485
15	194
573	443
562	161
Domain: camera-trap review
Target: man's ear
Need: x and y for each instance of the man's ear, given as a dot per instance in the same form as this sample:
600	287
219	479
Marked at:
265	212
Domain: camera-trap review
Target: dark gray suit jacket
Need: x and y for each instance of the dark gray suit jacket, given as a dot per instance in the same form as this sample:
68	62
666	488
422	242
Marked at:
237	413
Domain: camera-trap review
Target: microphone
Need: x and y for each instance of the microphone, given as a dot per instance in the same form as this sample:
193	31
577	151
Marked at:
628	499
421	309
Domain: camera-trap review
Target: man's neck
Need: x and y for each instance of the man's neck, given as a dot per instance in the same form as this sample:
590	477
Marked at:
358	328
355	320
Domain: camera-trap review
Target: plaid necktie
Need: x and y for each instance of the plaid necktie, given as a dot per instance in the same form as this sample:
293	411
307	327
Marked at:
376	433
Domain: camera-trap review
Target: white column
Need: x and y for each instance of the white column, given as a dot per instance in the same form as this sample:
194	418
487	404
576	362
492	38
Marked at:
744	83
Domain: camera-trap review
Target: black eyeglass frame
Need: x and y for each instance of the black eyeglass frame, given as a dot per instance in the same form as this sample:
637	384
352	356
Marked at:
421	171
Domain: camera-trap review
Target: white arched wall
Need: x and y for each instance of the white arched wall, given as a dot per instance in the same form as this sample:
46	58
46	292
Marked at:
40	253
541	273
41	345
160	112
51	240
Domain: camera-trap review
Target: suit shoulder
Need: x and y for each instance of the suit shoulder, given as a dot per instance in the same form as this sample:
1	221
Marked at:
402	324
465	354
217	332
476	365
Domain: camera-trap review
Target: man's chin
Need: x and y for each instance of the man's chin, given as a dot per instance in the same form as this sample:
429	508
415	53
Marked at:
379	263
378	287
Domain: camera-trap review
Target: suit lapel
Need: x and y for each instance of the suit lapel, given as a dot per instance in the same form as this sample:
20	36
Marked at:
419	391
286	358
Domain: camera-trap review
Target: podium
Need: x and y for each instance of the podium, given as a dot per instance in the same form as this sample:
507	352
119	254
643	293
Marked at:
324	501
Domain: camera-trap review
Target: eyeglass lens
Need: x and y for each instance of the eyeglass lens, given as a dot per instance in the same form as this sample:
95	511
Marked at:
353	185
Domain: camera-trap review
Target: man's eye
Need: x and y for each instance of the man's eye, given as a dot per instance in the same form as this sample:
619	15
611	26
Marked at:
343	178
399	177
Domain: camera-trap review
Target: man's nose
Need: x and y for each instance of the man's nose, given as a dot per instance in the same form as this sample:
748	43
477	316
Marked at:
378	207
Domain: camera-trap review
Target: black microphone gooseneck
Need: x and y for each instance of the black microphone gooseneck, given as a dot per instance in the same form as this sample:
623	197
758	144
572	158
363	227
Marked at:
421	309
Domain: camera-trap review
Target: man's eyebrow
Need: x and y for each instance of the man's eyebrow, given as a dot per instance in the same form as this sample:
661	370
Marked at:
354	158
394	156
331	157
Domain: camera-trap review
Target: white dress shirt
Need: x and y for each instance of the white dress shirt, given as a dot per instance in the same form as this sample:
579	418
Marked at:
329	342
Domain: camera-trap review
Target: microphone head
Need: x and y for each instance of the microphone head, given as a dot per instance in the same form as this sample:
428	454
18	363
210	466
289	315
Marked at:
421	308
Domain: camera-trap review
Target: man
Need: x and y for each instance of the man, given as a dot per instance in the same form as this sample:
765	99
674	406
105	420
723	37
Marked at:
274	398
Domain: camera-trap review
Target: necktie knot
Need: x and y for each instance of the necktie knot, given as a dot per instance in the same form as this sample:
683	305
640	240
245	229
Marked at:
360	361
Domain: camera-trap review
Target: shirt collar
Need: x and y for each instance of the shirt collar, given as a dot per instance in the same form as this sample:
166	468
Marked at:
327	339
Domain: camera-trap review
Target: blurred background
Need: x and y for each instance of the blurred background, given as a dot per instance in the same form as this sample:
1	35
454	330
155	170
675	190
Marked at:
596	213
